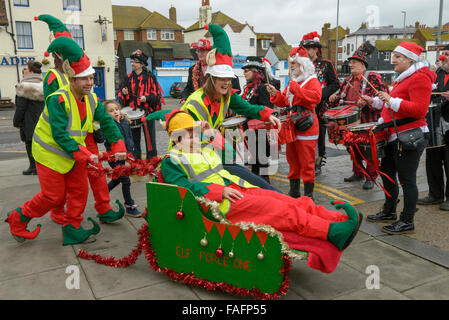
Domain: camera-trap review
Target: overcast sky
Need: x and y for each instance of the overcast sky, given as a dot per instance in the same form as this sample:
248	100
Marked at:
294	18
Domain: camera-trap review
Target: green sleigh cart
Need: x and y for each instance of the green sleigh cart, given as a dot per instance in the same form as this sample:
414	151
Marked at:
190	241
194	244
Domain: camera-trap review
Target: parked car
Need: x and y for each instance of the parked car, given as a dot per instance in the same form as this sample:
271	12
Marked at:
177	88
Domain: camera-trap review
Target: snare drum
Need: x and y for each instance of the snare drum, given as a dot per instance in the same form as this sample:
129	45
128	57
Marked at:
233	130
434	123
134	116
361	136
339	119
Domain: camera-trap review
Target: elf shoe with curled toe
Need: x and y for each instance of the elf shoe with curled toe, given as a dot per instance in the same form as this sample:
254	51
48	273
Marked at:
18	226
341	234
71	235
111	215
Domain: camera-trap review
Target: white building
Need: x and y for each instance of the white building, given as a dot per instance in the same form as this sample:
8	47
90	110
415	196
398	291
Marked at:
90	23
354	40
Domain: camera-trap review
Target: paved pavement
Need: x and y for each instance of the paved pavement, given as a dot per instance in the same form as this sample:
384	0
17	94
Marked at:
408	267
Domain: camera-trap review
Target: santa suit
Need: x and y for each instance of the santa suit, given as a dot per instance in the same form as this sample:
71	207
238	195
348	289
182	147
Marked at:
301	153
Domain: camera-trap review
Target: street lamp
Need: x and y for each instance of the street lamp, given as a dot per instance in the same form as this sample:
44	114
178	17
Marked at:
405	14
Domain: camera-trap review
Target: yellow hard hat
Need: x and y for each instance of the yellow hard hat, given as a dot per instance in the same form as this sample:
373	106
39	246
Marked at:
180	120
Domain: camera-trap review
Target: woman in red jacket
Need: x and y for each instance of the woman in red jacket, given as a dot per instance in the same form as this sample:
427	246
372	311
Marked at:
302	93
409	98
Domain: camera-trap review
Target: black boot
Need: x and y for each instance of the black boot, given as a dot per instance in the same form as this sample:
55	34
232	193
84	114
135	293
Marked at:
294	188
308	189
386	214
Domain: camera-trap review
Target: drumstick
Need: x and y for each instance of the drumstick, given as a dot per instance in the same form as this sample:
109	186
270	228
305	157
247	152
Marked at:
353	88
375	90
439	93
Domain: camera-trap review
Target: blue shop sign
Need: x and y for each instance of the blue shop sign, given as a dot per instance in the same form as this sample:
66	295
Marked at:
186	63
15	61
238	61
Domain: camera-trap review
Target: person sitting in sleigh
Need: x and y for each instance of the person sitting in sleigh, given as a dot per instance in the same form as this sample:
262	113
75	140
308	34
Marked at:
195	165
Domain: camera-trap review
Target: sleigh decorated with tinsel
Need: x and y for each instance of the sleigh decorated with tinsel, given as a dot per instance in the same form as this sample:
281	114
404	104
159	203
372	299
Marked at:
189	240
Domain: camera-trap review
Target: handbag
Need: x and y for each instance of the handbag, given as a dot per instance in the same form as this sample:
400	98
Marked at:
302	119
408	139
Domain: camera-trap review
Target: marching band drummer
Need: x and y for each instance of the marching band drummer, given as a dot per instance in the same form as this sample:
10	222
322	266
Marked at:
212	102
437	158
327	76
409	98
141	90
350	92
304	90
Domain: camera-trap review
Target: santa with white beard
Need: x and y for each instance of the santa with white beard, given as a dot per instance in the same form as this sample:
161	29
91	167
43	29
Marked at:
301	95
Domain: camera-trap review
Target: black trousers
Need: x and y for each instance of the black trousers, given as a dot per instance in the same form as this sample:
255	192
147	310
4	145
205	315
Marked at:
322	138
403	166
137	134
30	154
437	166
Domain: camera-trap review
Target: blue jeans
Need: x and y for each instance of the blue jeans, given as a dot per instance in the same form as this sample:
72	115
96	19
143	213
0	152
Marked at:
245	174
126	184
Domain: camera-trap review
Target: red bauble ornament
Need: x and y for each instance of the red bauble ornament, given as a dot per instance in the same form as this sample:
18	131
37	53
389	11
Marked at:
219	252
179	214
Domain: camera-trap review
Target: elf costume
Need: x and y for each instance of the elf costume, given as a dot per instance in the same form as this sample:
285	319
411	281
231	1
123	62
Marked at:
203	174
53	81
301	153
219	64
61	154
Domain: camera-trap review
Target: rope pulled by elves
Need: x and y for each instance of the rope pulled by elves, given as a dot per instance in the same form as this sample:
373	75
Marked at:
136	167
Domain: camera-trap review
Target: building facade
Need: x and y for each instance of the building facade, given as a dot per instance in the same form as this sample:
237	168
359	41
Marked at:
351	42
24	39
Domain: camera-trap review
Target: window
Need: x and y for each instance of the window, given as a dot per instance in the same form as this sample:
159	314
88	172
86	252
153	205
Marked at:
151	34
340	56
265	44
252	42
24	35
74	5
387	56
167	35
21	3
128	35
77	33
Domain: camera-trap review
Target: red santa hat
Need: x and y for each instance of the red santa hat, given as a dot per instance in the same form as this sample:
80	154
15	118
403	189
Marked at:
298	54
409	49
311	39
202	44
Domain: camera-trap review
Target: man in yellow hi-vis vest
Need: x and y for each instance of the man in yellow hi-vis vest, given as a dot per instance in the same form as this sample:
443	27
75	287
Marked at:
55	79
60	151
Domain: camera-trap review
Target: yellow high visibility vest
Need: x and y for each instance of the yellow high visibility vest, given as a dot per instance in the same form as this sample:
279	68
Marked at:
62	78
207	167
196	105
45	150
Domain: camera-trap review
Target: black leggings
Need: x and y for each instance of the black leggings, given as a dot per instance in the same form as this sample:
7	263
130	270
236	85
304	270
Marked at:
403	166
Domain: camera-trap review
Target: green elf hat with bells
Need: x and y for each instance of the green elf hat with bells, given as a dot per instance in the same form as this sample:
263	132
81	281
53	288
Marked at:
56	26
219	59
75	62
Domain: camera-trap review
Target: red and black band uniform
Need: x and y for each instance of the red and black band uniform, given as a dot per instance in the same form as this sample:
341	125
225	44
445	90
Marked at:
138	85
351	90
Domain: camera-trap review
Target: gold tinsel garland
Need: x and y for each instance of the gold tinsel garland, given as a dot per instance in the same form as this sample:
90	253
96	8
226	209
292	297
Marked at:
214	207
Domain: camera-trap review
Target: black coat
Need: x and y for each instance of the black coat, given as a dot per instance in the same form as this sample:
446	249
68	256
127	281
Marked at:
125	130
29	106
